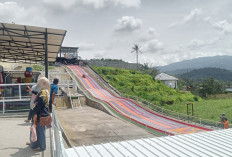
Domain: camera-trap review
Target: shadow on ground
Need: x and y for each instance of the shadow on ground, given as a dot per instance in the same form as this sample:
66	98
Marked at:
23	152
24	124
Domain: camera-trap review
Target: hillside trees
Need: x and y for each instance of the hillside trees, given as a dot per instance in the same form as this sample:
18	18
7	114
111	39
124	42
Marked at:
148	69
204	73
210	87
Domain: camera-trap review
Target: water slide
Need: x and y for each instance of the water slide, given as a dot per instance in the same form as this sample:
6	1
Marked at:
130	109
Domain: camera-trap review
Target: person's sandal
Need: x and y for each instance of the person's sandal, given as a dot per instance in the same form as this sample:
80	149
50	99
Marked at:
28	143
26	120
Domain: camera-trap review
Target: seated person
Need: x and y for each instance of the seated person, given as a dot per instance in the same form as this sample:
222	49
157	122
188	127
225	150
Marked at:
226	123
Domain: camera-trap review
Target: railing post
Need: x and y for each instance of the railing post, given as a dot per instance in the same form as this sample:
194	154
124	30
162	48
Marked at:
20	96
3	107
68	84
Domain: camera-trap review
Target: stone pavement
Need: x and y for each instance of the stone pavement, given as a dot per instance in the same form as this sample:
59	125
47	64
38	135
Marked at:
14	133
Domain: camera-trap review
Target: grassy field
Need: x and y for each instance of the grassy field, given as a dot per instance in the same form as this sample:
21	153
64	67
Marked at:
206	109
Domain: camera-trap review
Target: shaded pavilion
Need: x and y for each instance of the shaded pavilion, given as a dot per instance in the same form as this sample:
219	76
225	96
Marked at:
30	44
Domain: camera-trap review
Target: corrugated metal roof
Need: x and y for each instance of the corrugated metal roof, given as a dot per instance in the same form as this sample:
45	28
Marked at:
213	143
165	77
29	43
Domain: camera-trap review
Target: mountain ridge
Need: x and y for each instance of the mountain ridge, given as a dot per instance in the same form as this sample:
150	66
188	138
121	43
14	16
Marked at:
205	73
222	62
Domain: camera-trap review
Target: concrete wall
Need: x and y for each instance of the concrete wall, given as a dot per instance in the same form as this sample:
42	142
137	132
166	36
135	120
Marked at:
172	84
63	101
96	105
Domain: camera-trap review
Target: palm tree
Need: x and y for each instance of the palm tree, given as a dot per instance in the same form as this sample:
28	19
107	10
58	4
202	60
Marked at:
136	49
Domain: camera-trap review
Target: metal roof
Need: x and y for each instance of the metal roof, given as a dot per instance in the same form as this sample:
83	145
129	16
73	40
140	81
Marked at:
165	77
21	43
212	143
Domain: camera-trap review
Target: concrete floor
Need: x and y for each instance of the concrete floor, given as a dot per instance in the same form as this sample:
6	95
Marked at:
87	126
14	134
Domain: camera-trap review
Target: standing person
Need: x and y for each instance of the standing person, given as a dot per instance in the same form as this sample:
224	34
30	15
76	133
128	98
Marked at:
53	91
226	123
41	110
34	89
222	118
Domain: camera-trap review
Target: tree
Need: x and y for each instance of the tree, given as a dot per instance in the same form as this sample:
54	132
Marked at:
136	49
211	86
148	69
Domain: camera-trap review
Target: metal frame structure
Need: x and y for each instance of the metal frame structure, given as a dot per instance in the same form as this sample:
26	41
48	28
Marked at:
29	44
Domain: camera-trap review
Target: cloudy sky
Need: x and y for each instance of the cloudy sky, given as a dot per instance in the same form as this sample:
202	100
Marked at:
167	31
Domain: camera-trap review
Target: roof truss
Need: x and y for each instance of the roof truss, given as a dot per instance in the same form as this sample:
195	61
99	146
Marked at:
20	43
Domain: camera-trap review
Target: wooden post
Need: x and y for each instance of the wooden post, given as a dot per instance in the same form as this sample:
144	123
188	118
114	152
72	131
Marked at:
192	108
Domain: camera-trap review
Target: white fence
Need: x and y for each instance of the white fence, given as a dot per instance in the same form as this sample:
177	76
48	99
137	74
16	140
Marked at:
14	97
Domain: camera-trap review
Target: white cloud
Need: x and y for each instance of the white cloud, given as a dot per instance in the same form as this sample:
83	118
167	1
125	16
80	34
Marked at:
149	35
60	4
128	3
100	54
194	15
13	12
151	31
85	46
196	43
96	4
223	26
128	24
152	46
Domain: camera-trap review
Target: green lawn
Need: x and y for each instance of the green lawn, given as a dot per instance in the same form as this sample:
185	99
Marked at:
206	109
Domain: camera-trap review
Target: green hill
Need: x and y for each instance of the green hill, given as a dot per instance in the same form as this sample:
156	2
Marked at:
136	83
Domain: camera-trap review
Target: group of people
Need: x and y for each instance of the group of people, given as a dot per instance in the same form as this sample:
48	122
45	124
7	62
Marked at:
224	121
41	106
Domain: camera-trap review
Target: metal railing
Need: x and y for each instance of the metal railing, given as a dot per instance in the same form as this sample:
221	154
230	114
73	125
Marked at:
14	97
56	138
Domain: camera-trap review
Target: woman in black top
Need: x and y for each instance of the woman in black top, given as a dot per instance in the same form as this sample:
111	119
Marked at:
41	109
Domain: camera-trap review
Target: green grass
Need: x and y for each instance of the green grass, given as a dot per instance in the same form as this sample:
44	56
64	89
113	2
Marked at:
41	67
206	109
136	83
